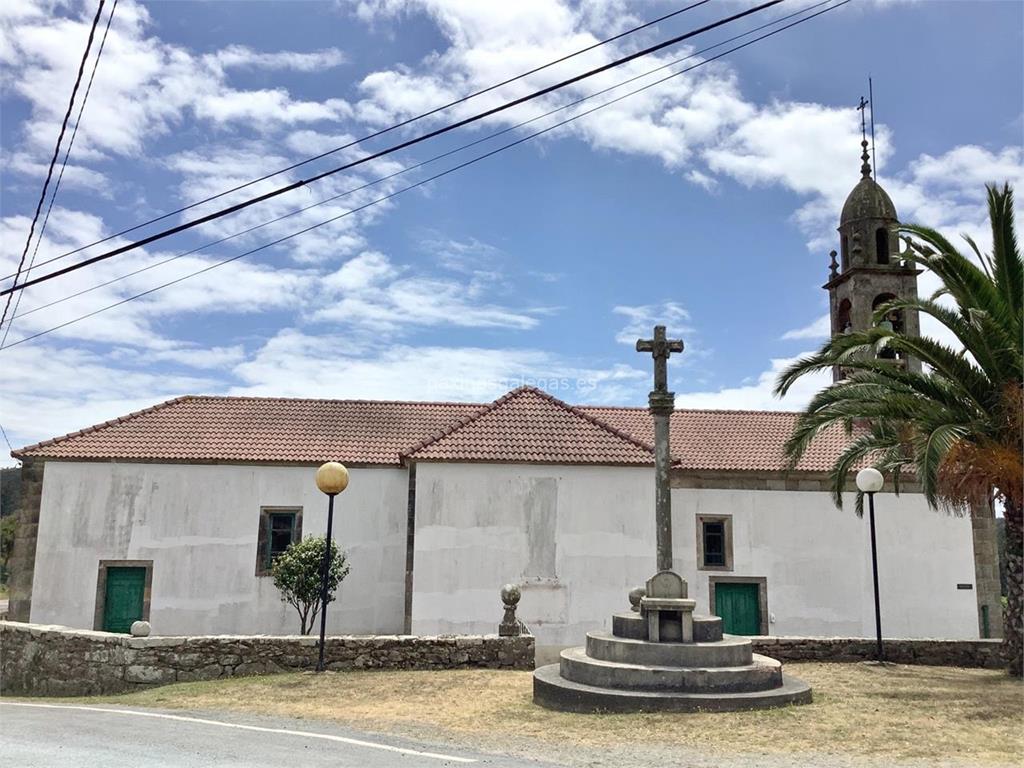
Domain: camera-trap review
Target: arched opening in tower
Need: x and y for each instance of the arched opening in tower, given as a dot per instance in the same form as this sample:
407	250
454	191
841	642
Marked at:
891	321
882	245
843	324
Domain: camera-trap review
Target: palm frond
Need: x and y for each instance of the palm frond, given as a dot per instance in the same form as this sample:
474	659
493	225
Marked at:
956	425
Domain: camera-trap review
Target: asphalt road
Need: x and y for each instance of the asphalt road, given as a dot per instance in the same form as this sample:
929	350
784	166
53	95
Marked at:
55	736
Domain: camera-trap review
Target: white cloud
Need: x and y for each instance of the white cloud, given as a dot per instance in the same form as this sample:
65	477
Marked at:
471	256
758	395
242	287
72	175
257	108
195	356
295	364
328	203
642	319
369	293
819	329
969	167
364	271
312	61
48	394
145	86
809	148
702	179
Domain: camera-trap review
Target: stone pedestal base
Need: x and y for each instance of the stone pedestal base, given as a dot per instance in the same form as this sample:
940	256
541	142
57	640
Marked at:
624	671
553	691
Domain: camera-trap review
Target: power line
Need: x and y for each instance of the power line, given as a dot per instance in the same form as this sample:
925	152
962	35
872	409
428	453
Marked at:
6	439
390	150
332	198
63	166
384	131
53	160
427	180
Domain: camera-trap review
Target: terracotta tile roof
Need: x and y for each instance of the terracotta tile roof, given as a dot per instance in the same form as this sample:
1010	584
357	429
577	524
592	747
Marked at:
727	440
528	425
195	428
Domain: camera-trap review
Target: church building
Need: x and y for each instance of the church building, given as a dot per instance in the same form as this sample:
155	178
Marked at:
174	514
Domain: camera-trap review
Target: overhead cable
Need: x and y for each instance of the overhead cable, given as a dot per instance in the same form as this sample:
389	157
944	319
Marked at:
390	150
465	164
381	132
435	158
53	160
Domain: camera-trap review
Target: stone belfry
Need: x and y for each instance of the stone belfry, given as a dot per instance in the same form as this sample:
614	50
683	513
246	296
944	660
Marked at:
870	270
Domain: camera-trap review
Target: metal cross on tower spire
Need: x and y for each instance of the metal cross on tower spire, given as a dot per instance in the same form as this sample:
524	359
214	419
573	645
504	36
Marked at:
865	166
863	125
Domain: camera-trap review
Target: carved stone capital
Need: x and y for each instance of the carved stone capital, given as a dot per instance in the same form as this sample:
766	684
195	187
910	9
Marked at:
662	403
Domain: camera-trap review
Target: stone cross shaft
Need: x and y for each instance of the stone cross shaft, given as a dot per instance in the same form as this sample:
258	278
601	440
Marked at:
662	403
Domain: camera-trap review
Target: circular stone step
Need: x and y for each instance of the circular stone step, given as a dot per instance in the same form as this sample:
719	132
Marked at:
629	625
761	674
731	652
553	691
706	629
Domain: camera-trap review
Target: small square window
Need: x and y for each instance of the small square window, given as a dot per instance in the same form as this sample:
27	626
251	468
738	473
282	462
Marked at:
282	531
278	529
714	542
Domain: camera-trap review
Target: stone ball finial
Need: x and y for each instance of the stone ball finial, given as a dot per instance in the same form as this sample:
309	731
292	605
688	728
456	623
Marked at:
833	267
140	629
510	595
865	158
510	626
635	595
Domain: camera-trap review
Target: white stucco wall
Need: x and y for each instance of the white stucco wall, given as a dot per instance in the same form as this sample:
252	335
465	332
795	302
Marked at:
199	525
817	561
473	533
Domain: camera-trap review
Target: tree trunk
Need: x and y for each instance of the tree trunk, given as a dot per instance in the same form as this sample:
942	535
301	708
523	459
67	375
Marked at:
1014	618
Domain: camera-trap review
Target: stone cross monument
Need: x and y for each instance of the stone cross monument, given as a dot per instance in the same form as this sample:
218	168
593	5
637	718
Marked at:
660	656
662	403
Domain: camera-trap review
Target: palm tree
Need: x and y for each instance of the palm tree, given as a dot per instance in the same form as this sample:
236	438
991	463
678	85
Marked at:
956	427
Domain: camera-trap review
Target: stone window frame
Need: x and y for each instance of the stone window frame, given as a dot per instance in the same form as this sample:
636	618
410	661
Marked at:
727	520
263	534
101	588
762	595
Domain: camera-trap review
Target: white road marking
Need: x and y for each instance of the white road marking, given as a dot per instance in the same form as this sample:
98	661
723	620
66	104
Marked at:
261	729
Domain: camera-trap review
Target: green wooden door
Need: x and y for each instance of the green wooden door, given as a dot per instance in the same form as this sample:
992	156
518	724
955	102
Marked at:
739	608
122	603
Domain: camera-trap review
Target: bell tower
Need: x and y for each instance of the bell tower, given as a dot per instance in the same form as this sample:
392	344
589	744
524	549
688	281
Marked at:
870	270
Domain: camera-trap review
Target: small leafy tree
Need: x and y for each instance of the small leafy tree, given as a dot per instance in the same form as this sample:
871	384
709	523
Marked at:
8	530
298	573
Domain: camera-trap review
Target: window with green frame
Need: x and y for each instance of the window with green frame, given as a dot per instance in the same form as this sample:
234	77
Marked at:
278	529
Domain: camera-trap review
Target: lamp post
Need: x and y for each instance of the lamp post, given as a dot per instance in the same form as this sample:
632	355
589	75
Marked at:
332	479
870	481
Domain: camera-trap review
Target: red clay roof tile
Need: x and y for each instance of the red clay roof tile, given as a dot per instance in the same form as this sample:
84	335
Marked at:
528	425
728	440
199	429
525	425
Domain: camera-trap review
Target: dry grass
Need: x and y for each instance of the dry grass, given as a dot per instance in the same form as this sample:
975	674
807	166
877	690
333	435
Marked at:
894	712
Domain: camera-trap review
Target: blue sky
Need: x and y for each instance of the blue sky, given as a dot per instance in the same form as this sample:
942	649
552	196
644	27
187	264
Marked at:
708	203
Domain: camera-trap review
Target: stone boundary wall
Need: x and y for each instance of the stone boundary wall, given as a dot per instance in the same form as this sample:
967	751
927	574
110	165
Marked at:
47	660
944	653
